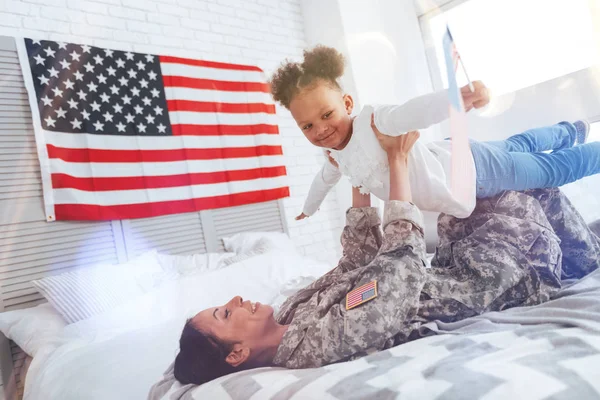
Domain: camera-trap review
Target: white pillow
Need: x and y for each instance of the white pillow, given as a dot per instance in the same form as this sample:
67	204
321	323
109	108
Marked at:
259	243
32	328
79	294
262	278
188	265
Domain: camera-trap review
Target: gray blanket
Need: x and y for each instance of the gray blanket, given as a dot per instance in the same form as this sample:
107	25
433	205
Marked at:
548	351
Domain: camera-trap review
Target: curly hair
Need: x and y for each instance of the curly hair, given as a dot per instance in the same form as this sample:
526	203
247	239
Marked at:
320	64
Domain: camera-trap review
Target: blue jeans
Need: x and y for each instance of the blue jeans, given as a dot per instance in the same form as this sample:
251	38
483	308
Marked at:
518	163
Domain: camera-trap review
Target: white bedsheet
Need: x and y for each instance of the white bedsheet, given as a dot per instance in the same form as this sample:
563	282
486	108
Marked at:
121	353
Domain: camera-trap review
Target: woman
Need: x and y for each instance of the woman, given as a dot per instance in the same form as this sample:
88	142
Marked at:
506	254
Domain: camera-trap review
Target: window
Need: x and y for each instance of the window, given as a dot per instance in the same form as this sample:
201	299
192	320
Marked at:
512	44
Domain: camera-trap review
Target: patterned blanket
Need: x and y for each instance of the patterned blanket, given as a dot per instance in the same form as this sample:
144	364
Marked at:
547	351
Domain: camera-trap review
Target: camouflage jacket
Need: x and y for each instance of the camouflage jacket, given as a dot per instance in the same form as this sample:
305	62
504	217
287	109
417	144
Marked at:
507	253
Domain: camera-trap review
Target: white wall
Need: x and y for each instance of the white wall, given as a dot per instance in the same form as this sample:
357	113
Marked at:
256	32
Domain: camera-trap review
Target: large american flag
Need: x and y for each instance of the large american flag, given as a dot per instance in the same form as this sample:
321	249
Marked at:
129	135
462	176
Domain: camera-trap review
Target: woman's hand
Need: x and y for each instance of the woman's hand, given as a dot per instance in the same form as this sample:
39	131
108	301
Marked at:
397	149
395	146
478	98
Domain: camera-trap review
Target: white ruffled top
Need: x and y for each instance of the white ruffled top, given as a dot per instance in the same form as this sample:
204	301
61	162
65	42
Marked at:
365	163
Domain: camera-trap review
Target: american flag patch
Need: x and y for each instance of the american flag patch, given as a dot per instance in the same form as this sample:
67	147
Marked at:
361	295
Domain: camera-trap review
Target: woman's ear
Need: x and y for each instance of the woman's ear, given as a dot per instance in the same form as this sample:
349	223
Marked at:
238	355
348	103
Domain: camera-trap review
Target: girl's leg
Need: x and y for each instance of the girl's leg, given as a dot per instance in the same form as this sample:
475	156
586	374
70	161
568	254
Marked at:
499	170
555	137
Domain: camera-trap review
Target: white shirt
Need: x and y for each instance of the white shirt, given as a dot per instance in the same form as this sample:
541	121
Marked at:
365	163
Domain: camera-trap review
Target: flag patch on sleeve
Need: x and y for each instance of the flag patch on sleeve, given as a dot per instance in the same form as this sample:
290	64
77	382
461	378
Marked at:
361	295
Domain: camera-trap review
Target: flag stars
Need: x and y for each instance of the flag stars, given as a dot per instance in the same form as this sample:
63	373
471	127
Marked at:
49	51
46	100
57	92
98	125
62	45
69	84
65	64
43	80
39	60
50	122
53	72
76	123
103	90
75	56
60	113
72	103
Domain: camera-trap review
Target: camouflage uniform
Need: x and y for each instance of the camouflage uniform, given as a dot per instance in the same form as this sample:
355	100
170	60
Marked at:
507	253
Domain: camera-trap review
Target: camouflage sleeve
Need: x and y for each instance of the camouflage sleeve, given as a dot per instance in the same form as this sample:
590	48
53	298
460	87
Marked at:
361	238
400	274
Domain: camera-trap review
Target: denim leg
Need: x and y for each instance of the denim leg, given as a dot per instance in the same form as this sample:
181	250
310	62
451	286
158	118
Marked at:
555	137
499	170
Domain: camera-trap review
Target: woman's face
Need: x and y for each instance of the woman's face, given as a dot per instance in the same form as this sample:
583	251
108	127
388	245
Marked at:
237	321
323	115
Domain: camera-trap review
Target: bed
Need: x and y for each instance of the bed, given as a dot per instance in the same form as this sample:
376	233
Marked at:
547	351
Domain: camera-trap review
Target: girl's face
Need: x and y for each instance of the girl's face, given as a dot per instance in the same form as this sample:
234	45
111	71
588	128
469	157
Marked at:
323	114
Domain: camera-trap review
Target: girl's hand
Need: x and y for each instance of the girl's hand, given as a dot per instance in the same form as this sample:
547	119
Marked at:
478	98
331	160
301	217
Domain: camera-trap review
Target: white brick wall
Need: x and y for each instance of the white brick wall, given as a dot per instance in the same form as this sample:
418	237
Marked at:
256	32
